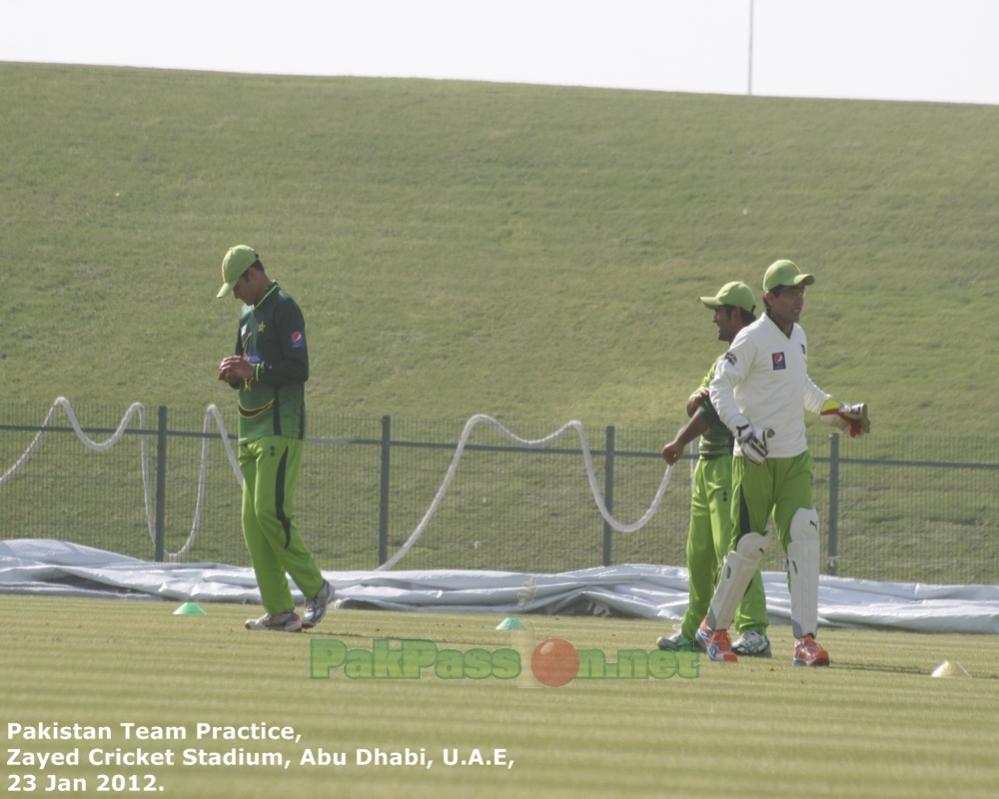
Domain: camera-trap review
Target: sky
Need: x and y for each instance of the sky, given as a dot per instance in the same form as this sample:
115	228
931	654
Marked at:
936	50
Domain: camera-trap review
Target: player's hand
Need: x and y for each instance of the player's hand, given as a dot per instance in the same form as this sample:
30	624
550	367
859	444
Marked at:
852	419
752	442
856	415
235	367
672	452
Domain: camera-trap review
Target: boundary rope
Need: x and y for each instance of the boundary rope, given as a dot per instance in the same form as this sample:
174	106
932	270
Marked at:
212	414
138	409
539	443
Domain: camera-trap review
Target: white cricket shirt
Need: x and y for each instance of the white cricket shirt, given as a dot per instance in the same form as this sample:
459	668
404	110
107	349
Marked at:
763	378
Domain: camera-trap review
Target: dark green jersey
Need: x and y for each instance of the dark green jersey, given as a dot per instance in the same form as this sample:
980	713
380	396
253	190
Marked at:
271	336
716	440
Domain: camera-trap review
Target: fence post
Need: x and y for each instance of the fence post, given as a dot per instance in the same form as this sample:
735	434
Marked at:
161	443
383	498
608	491
831	542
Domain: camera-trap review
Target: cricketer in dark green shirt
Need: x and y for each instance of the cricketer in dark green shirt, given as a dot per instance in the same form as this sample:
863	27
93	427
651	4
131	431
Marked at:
717	440
271	336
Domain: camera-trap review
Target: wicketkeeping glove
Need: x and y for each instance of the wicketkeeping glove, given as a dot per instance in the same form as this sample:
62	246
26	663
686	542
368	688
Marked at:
752	442
852	419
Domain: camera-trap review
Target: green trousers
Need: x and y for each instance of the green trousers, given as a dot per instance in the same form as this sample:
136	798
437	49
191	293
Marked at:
709	537
270	471
778	486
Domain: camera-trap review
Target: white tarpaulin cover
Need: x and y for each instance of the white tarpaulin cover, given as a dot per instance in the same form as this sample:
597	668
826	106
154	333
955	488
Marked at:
49	567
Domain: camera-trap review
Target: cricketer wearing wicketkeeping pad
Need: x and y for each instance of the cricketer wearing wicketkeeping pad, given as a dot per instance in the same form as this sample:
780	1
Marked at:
761	390
269	369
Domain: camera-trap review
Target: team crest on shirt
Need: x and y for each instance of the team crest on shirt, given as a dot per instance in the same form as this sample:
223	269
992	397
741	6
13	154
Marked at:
297	340
730	357
778	360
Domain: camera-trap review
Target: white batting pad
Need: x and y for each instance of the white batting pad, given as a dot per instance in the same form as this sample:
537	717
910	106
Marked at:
737	570
803	554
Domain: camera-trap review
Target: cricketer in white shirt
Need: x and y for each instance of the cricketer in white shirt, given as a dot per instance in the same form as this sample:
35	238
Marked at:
760	390
763	381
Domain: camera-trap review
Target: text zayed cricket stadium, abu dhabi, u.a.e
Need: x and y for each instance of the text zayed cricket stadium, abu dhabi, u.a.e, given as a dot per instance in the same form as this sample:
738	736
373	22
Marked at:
57	757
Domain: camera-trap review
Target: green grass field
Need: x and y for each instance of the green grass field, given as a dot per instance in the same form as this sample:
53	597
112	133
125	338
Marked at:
531	252
875	724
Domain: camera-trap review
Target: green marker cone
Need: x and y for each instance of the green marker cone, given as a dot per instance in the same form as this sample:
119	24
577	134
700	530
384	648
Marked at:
510	623
189	609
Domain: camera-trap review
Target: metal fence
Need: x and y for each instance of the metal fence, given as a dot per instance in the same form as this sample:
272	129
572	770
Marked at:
894	509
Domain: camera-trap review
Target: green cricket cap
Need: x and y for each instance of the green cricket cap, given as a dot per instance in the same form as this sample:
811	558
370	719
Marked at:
236	261
735	293
785	273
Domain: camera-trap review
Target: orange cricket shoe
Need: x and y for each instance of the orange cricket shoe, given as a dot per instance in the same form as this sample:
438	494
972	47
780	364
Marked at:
809	652
715	643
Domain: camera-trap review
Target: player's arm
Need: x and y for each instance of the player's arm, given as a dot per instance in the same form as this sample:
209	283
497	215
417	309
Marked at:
732	370
699	397
814	397
851	419
695	400
697	426
292	363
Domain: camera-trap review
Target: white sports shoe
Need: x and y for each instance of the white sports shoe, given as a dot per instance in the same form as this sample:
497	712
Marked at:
676	642
279	622
752	644
315	608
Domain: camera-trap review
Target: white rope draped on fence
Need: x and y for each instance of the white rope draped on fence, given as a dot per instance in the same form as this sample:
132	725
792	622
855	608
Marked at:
538	443
135	409
212	414
138	409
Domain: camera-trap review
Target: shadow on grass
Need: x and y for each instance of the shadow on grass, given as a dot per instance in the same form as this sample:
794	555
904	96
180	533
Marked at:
880	667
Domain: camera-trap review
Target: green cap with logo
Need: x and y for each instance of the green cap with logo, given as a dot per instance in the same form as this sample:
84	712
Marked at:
785	273
735	293
236	261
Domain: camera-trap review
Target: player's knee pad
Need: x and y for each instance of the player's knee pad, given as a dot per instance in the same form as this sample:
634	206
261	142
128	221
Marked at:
752	546
803	545
805	525
737	570
803	554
